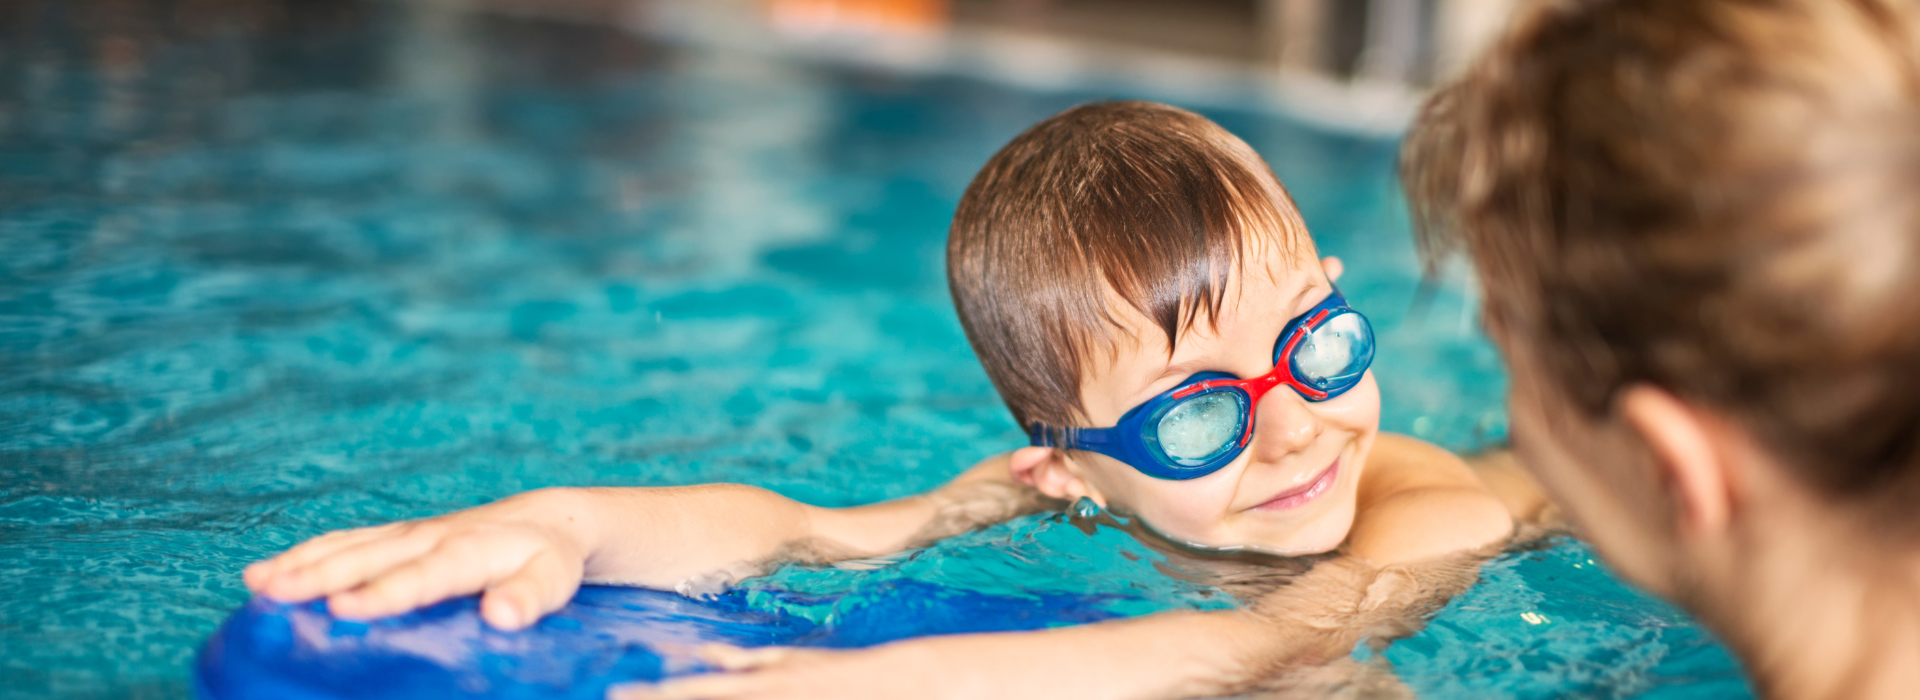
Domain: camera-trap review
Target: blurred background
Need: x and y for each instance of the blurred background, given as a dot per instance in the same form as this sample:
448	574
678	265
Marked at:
1351	63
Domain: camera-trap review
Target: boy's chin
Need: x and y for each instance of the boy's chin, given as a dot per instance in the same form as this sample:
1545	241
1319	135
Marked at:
1319	533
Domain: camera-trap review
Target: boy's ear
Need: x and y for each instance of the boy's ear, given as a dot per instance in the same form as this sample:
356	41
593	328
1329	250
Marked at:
1690	455
1333	268
1048	470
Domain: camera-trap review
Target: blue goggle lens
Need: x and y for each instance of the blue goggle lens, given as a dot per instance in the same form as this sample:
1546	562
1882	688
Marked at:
1335	354
1194	431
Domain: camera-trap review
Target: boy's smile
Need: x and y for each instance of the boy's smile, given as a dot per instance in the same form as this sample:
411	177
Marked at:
1299	496
1293	490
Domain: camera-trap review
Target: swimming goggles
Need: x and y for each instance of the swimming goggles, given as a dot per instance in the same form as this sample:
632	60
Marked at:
1196	428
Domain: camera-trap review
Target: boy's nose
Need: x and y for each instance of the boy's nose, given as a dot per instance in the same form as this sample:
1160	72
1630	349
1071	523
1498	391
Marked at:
1283	425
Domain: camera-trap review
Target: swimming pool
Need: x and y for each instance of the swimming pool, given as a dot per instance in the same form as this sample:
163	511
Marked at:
270	269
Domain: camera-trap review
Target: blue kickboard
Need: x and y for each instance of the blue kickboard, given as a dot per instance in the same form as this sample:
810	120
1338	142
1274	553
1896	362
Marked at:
606	635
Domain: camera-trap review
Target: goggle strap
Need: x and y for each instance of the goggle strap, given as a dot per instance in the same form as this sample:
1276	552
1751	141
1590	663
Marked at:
1091	438
1040	435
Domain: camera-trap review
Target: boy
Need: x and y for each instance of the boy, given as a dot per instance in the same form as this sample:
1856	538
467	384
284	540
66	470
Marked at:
1124	264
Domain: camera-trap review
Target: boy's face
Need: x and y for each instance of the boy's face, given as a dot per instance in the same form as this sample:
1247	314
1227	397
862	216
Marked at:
1293	490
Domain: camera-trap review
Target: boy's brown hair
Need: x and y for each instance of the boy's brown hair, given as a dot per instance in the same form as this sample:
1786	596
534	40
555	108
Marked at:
1143	202
1717	197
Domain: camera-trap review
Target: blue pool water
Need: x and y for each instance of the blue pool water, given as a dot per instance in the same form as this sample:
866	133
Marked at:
274	268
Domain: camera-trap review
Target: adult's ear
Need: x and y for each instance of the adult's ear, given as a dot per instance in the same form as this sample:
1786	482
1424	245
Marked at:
1691	455
1333	267
1049	471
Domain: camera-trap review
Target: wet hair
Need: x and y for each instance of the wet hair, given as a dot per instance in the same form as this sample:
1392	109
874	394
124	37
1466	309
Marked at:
1145	203
1720	198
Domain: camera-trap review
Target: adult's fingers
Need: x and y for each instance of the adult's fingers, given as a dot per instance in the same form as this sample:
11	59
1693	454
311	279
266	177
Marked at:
348	566
545	583
457	566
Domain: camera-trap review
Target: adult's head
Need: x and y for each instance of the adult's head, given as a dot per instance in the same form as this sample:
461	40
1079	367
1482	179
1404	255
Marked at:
1698	227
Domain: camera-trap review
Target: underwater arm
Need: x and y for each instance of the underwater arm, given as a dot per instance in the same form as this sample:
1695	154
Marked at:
528	553
1281	643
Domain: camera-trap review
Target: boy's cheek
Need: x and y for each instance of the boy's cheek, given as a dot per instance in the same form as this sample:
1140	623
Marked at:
1359	408
1190	510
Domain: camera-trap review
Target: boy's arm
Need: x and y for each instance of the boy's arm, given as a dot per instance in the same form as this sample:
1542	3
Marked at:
1272	645
984	494
731	531
530	552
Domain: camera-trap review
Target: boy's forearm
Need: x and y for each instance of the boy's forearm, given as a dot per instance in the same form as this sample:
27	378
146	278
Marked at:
664	537
1185	655
1166	655
1272	644
983	495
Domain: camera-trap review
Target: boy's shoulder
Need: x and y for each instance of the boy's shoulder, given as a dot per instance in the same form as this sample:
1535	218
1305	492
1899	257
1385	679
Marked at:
1399	463
1418	501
